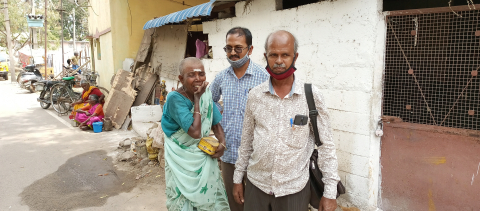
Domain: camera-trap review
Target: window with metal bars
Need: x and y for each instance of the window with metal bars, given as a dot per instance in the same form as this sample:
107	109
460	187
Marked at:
431	69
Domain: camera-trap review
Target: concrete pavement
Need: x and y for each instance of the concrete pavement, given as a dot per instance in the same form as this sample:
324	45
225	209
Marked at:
48	165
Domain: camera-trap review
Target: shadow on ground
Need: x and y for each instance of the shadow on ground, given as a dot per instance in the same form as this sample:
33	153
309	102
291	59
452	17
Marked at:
77	184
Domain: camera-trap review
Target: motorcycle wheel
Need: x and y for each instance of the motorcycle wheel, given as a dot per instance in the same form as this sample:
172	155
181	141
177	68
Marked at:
59	97
42	96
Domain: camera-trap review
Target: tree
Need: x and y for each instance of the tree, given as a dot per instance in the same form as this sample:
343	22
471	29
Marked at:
21	34
18	24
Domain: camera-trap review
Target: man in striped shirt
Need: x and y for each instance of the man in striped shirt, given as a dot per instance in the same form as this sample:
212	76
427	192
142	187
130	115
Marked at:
232	85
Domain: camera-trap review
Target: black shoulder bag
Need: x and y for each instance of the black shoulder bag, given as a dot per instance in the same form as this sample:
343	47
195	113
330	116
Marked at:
316	183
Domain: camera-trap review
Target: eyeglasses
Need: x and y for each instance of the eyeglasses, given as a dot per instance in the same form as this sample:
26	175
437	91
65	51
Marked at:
229	49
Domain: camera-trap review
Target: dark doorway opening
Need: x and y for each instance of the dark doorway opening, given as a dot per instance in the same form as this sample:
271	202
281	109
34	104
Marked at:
287	4
192	38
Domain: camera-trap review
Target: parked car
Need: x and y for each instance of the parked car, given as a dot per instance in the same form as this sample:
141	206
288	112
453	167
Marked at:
3	66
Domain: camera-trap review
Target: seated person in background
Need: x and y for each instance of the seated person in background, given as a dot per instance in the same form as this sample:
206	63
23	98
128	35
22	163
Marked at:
74	61
87	91
91	113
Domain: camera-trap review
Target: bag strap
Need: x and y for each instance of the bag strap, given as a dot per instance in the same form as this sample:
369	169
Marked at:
313	113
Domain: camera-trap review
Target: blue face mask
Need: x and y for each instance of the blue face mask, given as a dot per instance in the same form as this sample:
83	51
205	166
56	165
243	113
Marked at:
239	63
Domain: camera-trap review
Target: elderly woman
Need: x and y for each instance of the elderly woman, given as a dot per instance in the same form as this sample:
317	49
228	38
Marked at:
193	179
87	91
93	112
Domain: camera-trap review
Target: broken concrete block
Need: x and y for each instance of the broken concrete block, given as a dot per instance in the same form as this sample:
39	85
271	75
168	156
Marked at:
158	136
126	156
144	117
144	162
138	139
125	143
141	149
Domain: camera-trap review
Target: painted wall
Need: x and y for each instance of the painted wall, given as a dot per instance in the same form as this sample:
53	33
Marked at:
427	167
341	50
128	19
99	20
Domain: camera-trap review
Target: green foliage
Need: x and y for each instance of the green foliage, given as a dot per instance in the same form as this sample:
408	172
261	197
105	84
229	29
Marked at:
18	9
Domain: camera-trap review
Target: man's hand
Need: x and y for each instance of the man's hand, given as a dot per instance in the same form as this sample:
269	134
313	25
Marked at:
326	204
238	193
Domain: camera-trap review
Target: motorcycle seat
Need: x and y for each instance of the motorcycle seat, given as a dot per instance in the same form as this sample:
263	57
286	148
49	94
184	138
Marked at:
68	78
50	83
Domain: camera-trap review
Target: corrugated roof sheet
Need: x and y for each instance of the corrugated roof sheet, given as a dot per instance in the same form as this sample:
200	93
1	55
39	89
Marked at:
177	17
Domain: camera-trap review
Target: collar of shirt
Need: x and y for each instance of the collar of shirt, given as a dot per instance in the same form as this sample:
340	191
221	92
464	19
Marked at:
296	91
249	71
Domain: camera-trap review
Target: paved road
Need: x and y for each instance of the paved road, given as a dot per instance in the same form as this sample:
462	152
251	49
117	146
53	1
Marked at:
48	165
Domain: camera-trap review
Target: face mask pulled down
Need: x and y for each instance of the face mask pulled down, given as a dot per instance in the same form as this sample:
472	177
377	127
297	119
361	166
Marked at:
285	74
239	63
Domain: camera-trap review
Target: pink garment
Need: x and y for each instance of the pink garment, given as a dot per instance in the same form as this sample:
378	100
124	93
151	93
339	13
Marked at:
200	48
81	117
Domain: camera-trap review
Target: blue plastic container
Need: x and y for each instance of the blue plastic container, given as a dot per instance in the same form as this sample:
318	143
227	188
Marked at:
97	127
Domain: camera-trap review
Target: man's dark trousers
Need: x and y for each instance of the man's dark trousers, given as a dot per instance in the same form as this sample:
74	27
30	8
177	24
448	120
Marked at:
227	173
256	199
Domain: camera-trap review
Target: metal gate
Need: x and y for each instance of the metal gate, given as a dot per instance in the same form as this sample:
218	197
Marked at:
431	160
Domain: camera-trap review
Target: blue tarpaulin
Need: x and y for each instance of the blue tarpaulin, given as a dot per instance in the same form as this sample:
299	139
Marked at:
177	17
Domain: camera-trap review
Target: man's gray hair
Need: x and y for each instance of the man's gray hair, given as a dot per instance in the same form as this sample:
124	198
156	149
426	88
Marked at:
295	43
83	81
188	60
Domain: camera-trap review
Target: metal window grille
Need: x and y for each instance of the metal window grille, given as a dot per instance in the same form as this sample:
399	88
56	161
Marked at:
431	69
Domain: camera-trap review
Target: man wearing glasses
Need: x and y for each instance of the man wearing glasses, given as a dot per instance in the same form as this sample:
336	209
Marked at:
233	84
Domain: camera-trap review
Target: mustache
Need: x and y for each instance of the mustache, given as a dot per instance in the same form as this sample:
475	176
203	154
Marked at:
234	56
279	65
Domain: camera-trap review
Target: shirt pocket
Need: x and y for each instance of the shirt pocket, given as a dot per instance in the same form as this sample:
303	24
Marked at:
298	136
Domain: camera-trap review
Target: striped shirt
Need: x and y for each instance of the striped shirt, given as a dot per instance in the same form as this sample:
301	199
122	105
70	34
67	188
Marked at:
234	92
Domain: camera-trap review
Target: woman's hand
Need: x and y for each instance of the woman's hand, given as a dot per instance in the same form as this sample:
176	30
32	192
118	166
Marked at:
87	113
219	152
220	135
200	90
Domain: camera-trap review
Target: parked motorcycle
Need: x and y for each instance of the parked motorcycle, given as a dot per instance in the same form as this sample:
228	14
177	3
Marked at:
45	91
28	77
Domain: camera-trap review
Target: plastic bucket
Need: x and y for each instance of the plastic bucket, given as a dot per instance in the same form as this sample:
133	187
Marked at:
97	127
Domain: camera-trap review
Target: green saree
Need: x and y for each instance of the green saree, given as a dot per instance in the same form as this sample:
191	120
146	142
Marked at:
193	178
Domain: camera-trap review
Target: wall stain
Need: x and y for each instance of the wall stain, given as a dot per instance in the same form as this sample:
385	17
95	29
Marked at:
431	205
435	160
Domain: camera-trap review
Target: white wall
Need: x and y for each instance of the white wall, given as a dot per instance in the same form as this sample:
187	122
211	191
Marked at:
341	52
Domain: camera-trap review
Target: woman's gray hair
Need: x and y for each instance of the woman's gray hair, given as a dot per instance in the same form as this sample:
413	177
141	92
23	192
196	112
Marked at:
94	97
188	60
83	81
295	44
